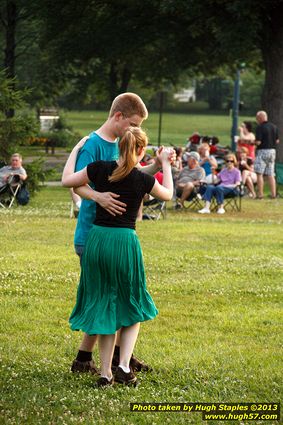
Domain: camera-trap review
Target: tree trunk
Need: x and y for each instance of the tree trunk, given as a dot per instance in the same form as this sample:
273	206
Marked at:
113	81
9	59
125	79
118	81
214	89
272	50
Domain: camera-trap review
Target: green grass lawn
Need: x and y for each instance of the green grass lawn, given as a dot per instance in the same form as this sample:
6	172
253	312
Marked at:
176	128
217	282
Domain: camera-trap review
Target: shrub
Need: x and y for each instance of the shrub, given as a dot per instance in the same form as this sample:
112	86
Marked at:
62	138
60	135
37	174
19	128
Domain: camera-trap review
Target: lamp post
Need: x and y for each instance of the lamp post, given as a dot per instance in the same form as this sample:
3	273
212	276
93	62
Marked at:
161	101
235	111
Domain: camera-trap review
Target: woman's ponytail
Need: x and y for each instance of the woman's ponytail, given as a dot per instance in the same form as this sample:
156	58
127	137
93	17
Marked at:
133	139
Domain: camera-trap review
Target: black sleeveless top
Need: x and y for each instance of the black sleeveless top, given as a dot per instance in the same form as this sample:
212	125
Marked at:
131	190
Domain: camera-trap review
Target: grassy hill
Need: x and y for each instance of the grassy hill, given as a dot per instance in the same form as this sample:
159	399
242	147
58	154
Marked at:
175	127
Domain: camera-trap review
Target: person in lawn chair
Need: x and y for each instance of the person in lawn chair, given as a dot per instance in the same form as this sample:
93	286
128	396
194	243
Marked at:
10	174
189	179
229	180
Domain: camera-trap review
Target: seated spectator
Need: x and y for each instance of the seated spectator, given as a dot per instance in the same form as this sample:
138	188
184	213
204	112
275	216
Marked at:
147	159
246	139
193	141
177	167
246	166
178	164
159	176
229	179
189	178
207	162
8	172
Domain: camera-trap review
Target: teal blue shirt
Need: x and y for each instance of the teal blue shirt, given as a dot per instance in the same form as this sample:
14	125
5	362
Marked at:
95	149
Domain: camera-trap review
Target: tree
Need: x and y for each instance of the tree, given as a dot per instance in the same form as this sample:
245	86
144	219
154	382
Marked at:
17	129
109	43
126	40
18	32
236	32
9	20
271	45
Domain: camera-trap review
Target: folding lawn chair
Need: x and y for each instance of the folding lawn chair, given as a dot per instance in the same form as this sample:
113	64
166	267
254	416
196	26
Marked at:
193	202
9	191
232	201
154	209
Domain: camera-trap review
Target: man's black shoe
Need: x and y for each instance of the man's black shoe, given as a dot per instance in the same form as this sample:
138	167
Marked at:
104	382
83	367
138	365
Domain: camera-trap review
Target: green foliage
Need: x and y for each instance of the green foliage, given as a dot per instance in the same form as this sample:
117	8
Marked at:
252	89
218	91
17	129
99	62
100	55
60	138
217	283
61	123
37	174
60	135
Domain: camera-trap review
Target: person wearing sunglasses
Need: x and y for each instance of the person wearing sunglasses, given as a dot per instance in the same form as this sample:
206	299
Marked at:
229	179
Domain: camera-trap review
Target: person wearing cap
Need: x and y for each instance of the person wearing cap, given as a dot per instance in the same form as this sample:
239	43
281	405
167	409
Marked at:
189	178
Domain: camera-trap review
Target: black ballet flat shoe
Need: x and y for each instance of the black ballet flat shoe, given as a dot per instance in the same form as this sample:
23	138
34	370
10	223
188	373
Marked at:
125	378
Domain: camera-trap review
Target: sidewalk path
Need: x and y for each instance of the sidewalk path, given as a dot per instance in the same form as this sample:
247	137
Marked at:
57	183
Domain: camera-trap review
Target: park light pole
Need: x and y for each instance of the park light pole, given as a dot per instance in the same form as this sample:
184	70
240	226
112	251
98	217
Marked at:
161	102
235	110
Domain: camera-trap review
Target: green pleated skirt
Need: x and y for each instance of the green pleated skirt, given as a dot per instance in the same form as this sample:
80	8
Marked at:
112	290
